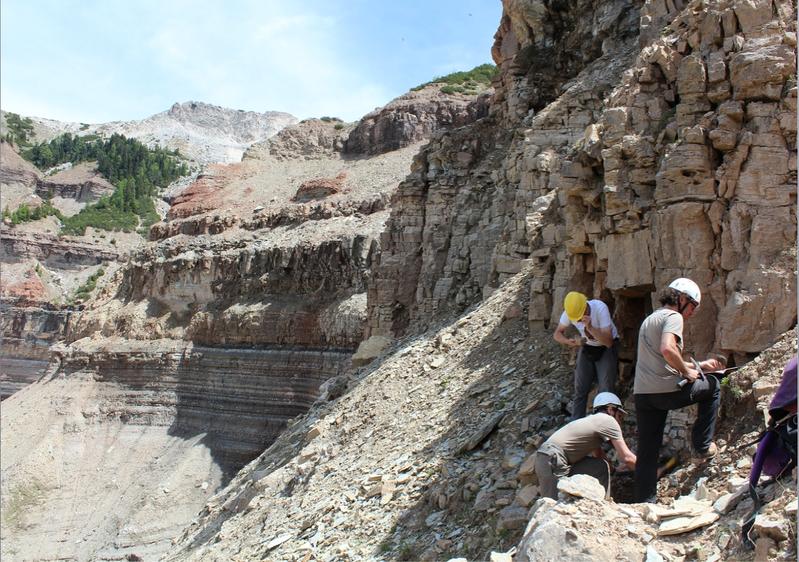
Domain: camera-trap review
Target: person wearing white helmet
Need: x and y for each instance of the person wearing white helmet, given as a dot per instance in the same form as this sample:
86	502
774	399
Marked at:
659	370
598	358
576	448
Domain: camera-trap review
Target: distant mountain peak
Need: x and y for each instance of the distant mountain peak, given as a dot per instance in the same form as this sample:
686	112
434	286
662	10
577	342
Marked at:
201	131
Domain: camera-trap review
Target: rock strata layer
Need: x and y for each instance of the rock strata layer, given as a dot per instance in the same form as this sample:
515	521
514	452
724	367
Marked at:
169	418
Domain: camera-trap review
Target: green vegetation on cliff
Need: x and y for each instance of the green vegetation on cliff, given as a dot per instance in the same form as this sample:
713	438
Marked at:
19	129
465	82
136	171
84	291
26	213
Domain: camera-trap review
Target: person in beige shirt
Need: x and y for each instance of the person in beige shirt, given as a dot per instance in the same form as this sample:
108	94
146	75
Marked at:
576	448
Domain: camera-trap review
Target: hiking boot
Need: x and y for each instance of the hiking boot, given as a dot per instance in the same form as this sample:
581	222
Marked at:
702	456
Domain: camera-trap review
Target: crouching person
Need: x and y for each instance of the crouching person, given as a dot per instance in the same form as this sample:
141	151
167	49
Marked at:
576	448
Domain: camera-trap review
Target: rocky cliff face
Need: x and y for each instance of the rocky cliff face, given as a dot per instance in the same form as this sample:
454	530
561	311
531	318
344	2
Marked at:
285	287
81	183
242	306
677	159
413	117
28	329
618	152
41	273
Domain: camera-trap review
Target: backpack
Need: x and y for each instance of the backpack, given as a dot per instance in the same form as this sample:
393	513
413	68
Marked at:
776	446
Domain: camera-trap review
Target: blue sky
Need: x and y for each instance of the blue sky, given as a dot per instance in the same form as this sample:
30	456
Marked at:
94	61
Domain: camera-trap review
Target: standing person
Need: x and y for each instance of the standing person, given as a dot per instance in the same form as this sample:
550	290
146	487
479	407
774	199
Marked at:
598	358
567	450
658	372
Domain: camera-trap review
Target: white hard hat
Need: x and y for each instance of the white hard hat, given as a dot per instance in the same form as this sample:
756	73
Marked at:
608	399
688	288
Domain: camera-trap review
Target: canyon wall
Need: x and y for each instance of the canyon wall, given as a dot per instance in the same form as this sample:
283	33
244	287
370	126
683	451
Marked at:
28	330
147	431
625	165
41	273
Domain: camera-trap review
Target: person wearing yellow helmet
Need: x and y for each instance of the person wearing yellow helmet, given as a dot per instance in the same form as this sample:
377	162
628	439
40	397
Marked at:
598	357
664	381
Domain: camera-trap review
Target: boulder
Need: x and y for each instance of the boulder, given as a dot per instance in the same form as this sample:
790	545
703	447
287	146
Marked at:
582	486
369	349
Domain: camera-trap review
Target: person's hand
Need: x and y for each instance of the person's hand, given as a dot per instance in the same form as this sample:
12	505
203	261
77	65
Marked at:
575	342
691	374
709	365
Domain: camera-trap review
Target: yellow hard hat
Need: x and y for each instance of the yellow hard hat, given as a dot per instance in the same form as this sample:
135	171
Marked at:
574	305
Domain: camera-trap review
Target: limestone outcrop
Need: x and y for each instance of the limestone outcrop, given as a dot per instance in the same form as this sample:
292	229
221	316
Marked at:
413	117
307	140
53	250
273	289
40	276
636	166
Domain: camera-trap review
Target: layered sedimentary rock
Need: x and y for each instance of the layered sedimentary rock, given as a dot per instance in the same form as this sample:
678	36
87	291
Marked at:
15	170
263	290
40	276
225	341
62	253
672	160
69	190
239	399
413	117
28	330
40	270
168	418
81	183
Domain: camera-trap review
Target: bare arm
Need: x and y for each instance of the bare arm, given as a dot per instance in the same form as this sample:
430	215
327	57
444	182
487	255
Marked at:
671	353
561	338
623	451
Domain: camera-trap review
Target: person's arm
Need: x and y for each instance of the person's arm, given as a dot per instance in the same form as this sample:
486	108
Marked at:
671	353
599	324
560	337
598	453
602	335
624	453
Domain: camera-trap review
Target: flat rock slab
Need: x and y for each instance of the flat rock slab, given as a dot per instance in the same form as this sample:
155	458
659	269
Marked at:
482	432
681	525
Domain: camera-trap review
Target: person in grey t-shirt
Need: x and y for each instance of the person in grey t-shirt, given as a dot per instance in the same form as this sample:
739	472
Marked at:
659	369
576	448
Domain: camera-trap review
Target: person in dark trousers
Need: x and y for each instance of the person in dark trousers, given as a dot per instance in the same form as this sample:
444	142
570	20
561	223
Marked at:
576	448
658	373
598	358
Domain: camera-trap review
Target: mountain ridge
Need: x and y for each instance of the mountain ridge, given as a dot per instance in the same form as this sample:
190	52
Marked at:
203	132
